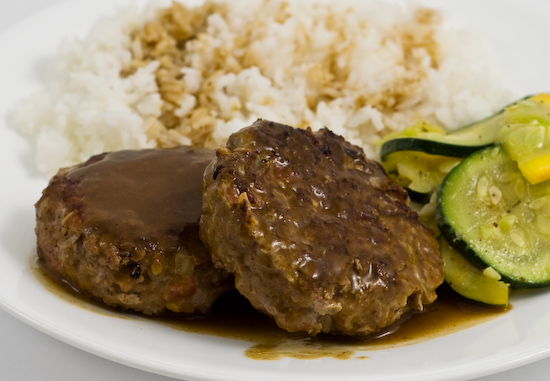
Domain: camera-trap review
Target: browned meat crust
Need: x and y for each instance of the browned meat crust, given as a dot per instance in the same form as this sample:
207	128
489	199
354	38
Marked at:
317	235
122	228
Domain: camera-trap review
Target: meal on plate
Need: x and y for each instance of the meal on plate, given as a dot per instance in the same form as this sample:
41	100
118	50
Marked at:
489	190
301	220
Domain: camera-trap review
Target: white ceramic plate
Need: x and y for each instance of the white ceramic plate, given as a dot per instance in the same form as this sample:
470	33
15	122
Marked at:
518	30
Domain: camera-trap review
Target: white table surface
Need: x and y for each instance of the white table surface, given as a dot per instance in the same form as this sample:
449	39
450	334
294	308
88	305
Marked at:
27	354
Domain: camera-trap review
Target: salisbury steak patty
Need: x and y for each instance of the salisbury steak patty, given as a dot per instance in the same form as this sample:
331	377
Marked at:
123	228
317	235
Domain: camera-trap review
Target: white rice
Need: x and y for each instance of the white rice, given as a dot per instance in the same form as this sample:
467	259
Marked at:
87	107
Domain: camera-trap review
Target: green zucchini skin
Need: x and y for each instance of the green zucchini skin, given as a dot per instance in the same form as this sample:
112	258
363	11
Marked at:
432	147
456	240
459	143
472	219
470	281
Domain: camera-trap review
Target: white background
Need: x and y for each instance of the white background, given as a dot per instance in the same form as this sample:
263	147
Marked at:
27	354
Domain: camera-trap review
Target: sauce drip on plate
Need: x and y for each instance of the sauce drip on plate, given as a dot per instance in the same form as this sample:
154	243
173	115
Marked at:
234	318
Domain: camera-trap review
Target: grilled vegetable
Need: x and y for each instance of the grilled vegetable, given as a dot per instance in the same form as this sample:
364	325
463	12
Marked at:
416	156
492	215
526	137
460	143
481	285
418	172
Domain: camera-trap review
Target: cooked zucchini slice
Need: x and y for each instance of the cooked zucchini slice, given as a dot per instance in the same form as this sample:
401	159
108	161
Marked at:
446	145
493	216
526	137
482	285
458	143
418	172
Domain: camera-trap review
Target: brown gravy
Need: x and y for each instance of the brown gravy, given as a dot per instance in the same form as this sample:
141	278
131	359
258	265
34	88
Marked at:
131	193
233	317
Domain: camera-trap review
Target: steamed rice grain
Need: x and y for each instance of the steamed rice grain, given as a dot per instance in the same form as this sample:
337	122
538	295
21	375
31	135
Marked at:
166	76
